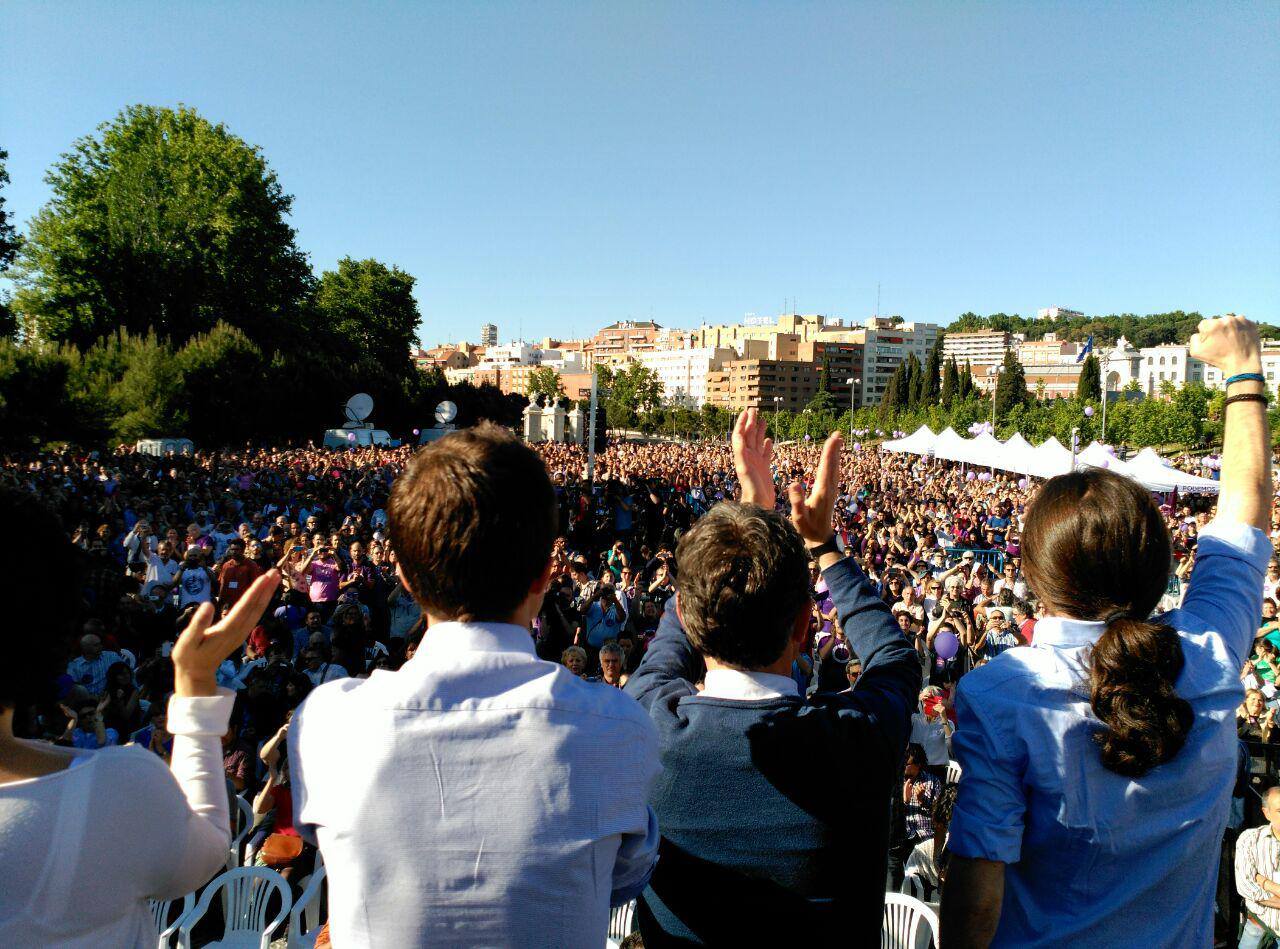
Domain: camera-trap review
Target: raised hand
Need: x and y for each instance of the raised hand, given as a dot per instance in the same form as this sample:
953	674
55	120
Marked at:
812	515
204	644
752	458
1229	343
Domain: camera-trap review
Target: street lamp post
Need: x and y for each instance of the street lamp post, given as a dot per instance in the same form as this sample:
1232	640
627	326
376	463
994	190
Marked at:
777	406
1075	445
853	403
994	386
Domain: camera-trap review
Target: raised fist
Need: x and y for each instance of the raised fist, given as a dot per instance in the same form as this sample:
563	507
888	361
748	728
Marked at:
1229	343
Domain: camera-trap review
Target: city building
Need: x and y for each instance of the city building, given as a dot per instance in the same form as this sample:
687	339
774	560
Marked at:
618	342
683	372
842	361
440	357
886	343
1046	351
488	335
1057	379
980	349
1052	313
767	384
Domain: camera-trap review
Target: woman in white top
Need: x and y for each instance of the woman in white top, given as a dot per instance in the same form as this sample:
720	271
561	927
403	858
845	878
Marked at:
86	837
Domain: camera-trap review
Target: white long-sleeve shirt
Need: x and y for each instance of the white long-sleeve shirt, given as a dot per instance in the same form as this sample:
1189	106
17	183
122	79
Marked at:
82	849
477	797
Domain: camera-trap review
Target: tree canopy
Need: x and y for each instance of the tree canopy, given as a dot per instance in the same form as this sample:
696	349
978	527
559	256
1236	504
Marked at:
161	222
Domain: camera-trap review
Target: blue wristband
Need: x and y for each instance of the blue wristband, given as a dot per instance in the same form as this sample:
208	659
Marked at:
1246	377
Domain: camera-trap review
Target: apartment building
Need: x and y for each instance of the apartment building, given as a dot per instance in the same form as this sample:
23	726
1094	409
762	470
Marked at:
618	342
979	349
767	384
842	360
488	334
886	343
683	372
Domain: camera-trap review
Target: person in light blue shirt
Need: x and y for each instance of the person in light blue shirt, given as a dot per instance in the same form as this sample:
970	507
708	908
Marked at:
1098	764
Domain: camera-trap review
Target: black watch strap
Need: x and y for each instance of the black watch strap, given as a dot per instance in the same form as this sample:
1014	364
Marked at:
829	546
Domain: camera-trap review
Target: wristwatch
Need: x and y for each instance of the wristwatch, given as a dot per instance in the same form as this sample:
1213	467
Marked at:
831	545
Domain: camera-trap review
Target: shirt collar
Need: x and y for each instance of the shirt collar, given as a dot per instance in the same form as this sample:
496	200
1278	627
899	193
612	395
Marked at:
1068	632
749	686
444	639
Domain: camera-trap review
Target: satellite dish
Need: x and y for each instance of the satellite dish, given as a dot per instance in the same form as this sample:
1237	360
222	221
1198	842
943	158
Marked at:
359	406
446	412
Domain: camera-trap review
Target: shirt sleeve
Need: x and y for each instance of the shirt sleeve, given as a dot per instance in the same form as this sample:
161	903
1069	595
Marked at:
1225	590
1247	867
197	725
987	821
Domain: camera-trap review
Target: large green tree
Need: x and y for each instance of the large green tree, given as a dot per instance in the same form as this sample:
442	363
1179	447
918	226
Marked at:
545	381
164	222
950	383
1011	386
8	249
930	381
1089	387
370	308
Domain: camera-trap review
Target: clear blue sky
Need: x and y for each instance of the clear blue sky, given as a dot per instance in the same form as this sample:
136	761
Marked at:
554	167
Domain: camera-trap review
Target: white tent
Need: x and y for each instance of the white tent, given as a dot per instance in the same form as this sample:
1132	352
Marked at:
984	451
1048	459
919	442
1151	470
1017	453
950	447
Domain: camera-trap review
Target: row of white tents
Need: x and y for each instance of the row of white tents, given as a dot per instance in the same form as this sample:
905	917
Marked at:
1049	458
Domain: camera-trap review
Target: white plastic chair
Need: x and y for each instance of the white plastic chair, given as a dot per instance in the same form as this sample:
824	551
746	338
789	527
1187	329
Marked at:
953	772
902	918
160	910
622	922
242	823
306	912
248	893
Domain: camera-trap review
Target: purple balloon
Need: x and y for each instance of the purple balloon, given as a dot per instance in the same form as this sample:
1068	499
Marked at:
857	446
970	476
416	432
1022	483
351	437
1106	463
985	476
946	645
1088	411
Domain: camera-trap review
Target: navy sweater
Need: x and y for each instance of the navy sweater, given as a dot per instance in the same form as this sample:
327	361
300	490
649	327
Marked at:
774	813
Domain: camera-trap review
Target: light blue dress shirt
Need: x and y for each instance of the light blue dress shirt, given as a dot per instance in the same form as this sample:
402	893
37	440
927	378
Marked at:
478	796
1095	858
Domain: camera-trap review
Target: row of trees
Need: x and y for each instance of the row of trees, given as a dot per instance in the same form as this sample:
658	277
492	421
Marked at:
161	291
1153	329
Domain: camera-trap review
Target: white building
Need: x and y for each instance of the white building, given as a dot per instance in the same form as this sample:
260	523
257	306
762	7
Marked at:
886	344
1058	312
979	349
683	372
512	354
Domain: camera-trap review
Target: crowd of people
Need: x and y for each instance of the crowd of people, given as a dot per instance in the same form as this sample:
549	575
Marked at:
923	582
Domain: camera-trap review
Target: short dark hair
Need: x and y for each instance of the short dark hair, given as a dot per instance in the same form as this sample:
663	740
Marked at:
743	580
49	609
454	514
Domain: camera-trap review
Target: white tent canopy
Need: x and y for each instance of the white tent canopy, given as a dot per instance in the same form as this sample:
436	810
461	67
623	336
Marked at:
1151	470
919	442
1049	458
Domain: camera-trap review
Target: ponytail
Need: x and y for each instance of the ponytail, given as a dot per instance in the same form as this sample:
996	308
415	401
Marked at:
1133	668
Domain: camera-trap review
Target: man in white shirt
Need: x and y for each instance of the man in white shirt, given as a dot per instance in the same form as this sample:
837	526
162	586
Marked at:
1258	874
477	796
162	568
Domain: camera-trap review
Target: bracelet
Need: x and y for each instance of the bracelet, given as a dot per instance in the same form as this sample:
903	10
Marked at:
1245	397
1245	377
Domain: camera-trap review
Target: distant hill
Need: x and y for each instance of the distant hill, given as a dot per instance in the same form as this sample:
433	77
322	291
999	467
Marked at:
1150	330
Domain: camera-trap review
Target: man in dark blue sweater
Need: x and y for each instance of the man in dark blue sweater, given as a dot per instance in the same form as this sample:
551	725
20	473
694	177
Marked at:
774	811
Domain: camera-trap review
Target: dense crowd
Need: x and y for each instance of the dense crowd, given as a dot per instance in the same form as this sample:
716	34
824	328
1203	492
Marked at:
162	536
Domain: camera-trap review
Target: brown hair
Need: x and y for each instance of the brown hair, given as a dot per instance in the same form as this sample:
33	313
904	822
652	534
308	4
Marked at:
1095	547
473	501
742	577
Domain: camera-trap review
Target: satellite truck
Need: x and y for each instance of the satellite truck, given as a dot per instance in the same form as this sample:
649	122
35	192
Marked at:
445	413
357	432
